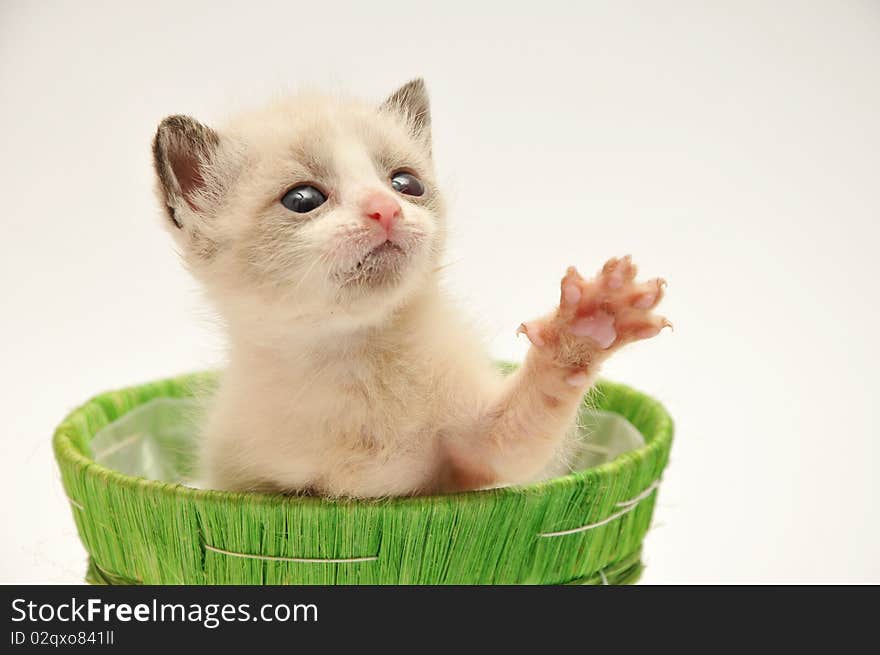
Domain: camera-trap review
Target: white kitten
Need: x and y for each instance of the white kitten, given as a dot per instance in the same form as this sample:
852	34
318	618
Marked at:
316	227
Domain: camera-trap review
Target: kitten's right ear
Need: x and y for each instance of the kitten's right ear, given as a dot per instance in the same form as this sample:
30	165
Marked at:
185	154
411	103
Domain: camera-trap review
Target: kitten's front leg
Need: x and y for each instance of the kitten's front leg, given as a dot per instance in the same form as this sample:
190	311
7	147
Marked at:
524	427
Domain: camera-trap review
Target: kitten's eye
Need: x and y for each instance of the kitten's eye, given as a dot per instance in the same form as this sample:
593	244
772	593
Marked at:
407	183
303	199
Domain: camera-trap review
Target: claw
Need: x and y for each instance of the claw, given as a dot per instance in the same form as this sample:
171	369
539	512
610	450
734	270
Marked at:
652	330
532	332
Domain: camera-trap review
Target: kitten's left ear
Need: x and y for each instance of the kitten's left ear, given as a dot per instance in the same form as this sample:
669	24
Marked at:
411	103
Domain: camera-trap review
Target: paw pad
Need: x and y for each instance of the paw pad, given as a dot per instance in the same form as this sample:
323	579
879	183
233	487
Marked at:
598	326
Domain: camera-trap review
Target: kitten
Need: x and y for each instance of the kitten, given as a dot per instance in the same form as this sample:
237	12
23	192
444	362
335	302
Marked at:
316	227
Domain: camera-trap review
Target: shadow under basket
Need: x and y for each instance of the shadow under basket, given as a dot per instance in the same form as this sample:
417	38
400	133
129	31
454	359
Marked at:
583	528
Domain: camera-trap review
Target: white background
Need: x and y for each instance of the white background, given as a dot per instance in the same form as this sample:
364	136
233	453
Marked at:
732	147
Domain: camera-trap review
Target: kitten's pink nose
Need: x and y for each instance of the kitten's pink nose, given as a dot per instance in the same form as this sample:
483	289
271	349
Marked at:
381	207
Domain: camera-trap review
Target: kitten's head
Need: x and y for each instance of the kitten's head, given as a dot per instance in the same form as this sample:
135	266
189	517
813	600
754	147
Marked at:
313	209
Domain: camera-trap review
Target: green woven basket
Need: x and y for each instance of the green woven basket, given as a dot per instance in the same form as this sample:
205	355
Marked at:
583	528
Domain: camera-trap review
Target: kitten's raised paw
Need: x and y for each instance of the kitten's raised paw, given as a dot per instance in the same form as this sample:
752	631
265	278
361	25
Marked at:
596	317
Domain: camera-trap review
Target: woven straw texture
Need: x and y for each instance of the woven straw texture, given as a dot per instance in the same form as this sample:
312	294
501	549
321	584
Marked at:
139	531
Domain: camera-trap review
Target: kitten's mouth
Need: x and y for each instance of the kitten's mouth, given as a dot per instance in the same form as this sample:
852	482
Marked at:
380	266
383	249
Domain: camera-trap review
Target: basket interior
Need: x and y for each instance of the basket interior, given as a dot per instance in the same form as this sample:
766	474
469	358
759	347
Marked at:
158	441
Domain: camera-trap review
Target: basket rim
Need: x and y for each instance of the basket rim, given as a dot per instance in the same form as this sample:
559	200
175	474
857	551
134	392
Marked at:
66	450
